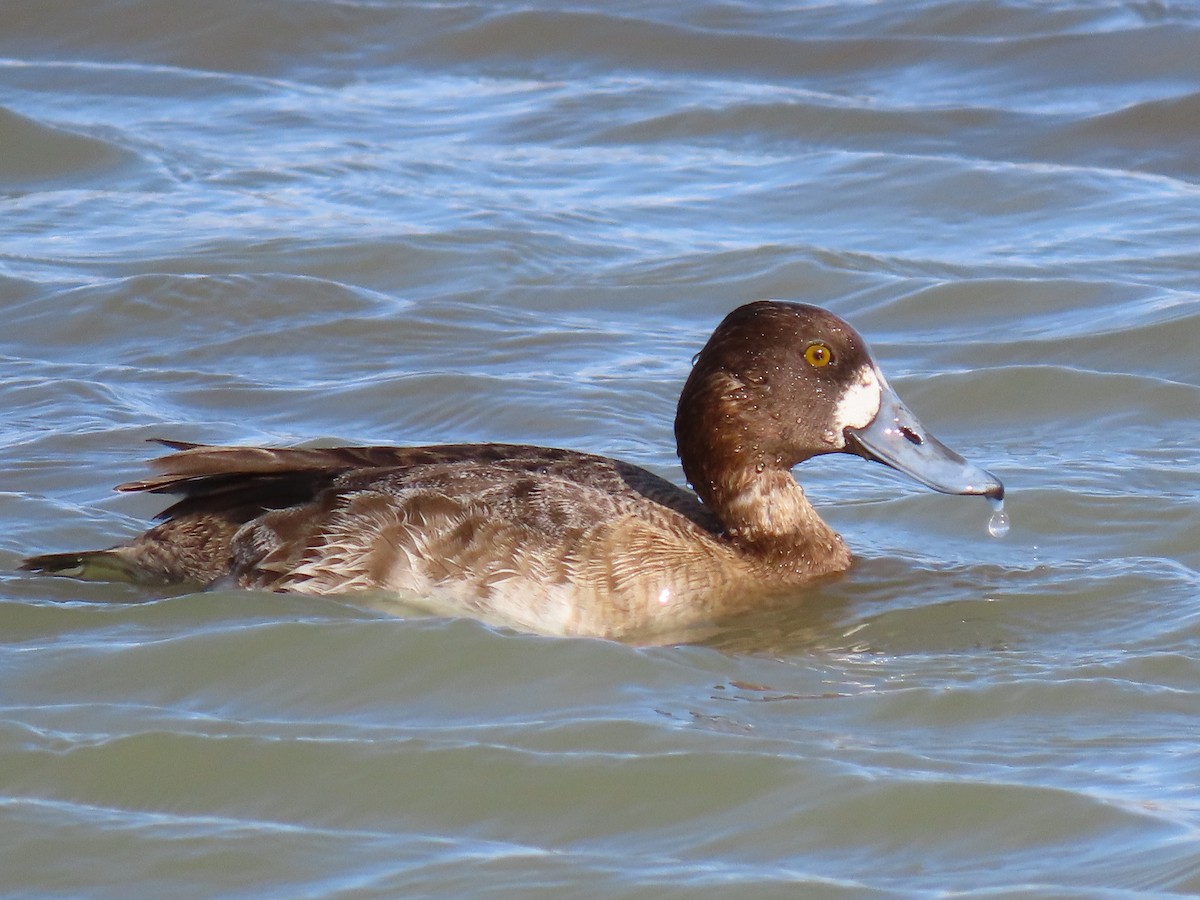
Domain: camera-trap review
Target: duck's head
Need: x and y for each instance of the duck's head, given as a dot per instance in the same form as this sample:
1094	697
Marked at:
778	383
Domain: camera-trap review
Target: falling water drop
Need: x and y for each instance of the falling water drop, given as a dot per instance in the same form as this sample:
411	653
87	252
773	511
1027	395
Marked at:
998	524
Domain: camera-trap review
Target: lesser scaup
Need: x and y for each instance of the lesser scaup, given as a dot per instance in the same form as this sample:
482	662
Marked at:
557	541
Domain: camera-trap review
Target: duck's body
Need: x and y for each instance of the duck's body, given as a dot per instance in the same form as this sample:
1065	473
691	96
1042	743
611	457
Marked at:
555	541
547	540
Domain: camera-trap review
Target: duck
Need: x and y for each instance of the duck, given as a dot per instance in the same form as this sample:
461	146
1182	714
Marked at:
552	541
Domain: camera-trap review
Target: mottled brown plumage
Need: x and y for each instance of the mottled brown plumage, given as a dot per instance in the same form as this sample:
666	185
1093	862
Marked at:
548	540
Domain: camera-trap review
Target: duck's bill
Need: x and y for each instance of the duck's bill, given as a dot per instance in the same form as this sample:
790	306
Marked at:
897	439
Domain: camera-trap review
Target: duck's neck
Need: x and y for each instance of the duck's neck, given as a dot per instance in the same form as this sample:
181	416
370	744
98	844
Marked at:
767	515
747	482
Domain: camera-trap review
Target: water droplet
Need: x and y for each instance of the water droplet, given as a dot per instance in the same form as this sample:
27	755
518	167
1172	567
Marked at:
999	523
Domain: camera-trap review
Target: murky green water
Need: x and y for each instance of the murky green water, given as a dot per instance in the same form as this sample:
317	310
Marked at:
279	221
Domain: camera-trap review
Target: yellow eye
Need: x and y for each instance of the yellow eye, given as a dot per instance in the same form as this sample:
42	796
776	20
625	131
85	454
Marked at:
818	355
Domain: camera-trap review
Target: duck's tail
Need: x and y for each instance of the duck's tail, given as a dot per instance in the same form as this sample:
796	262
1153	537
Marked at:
92	565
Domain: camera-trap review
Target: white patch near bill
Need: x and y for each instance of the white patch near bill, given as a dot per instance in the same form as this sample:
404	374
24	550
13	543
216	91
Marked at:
859	403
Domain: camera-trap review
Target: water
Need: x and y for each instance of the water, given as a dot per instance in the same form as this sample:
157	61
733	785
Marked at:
999	524
275	222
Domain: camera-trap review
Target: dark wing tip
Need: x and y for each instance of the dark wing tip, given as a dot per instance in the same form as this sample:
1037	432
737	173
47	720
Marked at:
175	445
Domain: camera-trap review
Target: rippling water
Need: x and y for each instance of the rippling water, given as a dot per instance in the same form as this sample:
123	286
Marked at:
279	221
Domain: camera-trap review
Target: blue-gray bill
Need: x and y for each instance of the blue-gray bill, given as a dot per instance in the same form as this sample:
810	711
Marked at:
896	438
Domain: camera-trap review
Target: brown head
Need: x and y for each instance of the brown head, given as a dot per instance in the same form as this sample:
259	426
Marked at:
778	383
